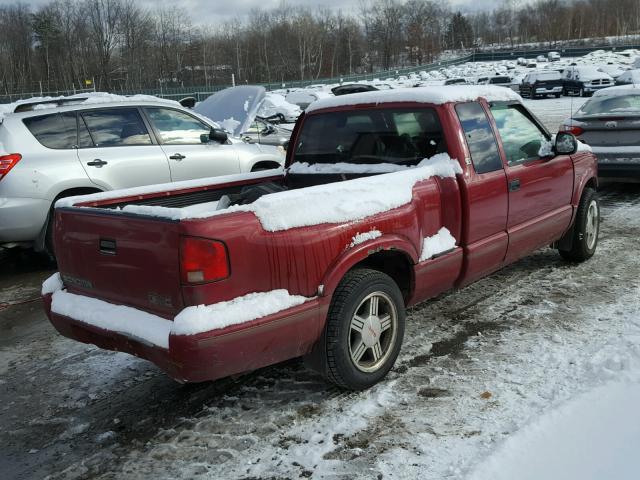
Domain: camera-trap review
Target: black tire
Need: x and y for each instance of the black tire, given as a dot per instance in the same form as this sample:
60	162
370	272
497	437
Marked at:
565	92
557	95
585	238
354	294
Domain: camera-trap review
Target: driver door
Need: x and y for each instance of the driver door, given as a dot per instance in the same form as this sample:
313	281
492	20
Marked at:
540	183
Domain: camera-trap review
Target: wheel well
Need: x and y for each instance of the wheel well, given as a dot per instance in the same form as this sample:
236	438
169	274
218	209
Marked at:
592	183
397	265
75	191
265	165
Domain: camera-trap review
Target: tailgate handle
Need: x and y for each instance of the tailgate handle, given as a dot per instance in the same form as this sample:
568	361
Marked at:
107	246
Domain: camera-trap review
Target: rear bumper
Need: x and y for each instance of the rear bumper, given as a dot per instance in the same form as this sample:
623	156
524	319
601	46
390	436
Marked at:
617	164
214	354
549	90
21	219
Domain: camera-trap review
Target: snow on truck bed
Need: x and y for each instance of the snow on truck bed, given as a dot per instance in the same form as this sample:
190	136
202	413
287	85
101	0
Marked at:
433	95
335	202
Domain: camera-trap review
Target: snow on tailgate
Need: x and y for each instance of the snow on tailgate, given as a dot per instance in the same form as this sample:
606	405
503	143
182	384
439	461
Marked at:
433	95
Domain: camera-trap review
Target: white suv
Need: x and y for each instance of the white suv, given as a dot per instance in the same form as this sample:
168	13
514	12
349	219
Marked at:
55	148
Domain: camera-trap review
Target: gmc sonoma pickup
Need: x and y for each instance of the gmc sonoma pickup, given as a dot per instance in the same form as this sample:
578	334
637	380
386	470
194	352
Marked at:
388	199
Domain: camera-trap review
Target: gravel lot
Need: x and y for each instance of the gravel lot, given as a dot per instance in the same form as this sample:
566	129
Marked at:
476	365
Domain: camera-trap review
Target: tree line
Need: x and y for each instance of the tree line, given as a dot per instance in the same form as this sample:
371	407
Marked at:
118	45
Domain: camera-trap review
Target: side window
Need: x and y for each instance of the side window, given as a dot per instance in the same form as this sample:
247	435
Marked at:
116	127
56	131
521	138
176	128
480	139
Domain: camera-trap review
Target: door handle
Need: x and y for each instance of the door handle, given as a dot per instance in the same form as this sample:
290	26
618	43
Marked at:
97	163
514	185
177	156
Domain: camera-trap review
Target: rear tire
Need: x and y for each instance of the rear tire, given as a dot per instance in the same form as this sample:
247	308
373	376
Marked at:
586	229
365	328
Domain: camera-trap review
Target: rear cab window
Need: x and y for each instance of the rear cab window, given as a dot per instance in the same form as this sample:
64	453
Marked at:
403	136
479	136
57	131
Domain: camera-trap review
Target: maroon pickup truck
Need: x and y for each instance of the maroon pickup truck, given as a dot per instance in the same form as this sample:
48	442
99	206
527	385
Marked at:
388	199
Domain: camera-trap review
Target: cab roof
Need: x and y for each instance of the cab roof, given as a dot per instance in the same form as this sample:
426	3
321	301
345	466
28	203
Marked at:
435	95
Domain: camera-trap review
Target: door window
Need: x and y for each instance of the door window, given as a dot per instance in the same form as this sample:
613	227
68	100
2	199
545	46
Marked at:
116	127
176	128
56	131
522	139
479	136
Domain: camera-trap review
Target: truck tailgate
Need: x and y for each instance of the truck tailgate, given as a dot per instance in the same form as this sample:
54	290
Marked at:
125	259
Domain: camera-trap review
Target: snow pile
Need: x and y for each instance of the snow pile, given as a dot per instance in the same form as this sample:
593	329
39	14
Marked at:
116	318
433	95
342	167
230	125
359	238
348	201
438	243
592	437
203	318
52	284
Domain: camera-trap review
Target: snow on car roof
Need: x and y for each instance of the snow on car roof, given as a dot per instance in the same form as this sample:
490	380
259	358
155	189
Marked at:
90	98
619	90
429	94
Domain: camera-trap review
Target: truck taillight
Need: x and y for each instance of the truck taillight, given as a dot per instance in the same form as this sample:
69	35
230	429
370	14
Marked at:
203	260
7	162
575	131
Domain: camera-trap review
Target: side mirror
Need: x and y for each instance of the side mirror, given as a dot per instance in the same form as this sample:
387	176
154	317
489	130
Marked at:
218	135
566	144
188	102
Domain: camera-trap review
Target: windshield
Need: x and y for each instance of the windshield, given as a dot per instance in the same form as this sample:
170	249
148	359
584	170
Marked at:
398	136
619	104
233	108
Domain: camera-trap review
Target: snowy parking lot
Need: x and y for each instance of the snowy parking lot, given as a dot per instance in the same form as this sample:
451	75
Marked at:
484	373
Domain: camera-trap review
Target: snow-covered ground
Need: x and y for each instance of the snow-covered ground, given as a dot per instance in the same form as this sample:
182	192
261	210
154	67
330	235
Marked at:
489	376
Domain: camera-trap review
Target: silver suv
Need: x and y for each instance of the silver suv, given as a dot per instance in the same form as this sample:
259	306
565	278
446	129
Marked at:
55	148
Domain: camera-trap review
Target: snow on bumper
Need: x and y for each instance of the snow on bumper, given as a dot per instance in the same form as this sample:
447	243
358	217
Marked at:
201	343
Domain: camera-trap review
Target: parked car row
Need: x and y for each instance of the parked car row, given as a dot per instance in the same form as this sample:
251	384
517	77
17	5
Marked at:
54	148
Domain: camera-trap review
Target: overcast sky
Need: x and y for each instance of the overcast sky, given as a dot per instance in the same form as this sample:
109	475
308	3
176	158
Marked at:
215	11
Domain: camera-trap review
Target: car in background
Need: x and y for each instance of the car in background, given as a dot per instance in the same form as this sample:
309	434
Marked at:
553	56
630	77
540	84
266	133
614	71
67	146
305	97
609	123
350	88
584	80
541	59
275	105
531	64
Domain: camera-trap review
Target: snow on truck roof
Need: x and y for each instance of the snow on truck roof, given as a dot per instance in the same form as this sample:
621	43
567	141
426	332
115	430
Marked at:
437	95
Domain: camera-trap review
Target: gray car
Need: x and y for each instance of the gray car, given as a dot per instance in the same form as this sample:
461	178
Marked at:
610	124
55	148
